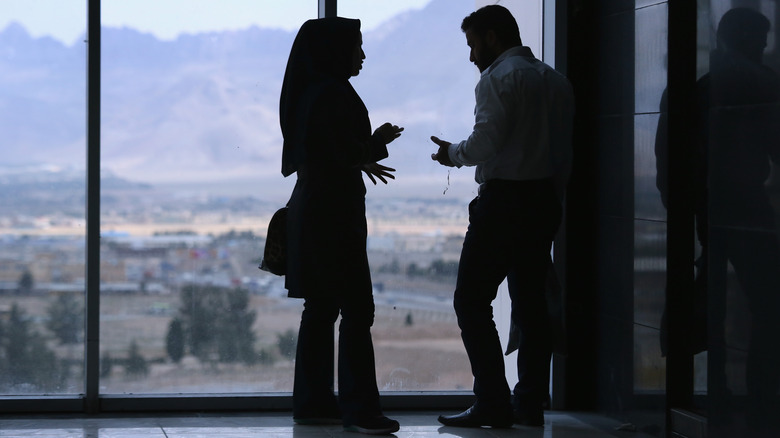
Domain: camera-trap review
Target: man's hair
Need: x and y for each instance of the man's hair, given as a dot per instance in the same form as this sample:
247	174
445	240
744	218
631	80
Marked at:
496	18
740	28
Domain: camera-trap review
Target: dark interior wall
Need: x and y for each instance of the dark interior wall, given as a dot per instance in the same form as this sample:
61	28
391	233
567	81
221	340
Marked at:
616	222
664	314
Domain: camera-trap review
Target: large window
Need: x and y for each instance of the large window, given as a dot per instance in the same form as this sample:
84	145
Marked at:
190	151
417	74
42	183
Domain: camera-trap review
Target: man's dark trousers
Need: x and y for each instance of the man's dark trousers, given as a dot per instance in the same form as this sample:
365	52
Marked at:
511	228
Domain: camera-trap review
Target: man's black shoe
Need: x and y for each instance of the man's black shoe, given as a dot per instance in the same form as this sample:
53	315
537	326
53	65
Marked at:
472	418
533	418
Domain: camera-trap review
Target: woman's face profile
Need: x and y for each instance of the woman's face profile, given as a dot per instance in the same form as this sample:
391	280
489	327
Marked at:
357	57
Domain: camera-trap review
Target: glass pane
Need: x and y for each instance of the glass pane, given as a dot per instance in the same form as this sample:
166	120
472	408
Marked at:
649	283
417	74
42	189
191	151
739	91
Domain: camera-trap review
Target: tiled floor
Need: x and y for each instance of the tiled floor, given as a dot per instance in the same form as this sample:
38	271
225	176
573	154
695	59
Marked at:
266	425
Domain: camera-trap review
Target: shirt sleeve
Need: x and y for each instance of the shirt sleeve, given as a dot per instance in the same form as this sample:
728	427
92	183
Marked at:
490	127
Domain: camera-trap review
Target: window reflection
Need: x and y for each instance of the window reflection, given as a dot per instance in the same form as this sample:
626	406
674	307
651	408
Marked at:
739	99
650	181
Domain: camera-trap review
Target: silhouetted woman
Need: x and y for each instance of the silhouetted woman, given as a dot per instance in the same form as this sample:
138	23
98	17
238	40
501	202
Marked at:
328	142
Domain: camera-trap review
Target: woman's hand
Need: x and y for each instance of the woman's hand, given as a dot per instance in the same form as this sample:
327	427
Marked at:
379	171
389	132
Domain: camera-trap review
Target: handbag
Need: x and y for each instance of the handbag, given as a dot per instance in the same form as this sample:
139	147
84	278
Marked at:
275	253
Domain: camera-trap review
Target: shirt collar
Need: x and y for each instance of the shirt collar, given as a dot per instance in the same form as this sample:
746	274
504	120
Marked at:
514	51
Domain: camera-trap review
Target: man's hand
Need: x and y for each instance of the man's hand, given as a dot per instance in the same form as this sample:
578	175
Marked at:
378	170
442	155
389	132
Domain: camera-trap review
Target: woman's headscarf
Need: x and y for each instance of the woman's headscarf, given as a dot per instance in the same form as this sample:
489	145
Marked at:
322	51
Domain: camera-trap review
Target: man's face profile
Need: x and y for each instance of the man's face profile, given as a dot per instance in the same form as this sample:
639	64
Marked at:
483	50
479	54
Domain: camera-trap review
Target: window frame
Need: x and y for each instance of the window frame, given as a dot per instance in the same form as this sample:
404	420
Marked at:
91	401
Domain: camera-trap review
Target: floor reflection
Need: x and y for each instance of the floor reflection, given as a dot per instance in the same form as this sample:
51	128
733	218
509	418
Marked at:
417	424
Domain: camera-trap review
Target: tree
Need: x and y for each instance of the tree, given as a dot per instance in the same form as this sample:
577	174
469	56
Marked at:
197	316
217	323
25	359
106	364
235	339
26	283
287	343
413	270
394	267
136	364
174	340
266	357
444	269
66	319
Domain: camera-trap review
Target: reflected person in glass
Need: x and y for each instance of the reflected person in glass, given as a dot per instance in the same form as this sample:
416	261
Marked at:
521	147
740	142
328	142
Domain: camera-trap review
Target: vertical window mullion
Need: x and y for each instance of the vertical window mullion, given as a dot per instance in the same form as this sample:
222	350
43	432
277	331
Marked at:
92	347
680	244
326	8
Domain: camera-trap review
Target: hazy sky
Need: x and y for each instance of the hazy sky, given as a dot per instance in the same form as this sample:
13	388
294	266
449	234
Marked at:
65	20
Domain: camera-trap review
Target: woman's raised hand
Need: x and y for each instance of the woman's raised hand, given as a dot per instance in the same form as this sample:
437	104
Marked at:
389	132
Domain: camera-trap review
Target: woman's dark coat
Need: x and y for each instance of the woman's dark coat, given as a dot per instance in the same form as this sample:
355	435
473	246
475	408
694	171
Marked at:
327	138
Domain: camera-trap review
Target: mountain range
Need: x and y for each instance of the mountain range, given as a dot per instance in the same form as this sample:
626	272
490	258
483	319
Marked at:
203	108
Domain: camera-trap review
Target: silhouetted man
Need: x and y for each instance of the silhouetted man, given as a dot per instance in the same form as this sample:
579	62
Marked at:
521	147
741	135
